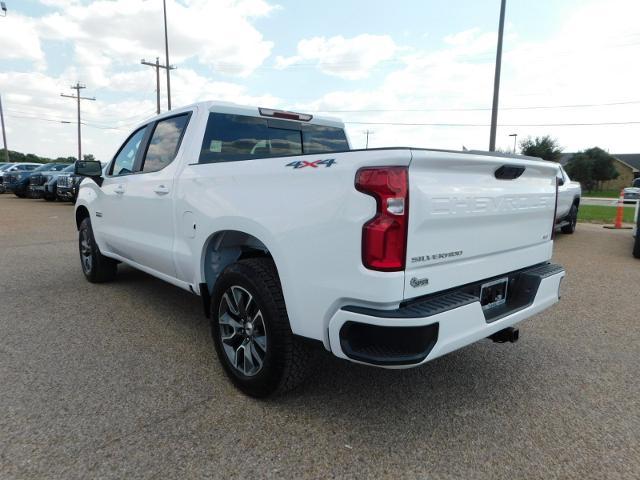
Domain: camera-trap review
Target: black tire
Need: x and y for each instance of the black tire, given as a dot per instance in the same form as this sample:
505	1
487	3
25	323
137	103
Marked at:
20	195
636	244
49	198
573	220
96	267
286	360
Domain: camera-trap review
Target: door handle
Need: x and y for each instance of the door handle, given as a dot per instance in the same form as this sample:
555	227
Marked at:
161	190
119	190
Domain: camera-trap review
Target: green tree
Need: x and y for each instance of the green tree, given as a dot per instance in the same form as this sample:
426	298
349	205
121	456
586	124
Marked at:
544	147
580	169
603	167
592	167
89	157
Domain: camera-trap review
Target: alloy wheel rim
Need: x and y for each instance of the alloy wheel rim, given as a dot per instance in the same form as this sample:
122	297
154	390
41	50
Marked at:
242	331
85	251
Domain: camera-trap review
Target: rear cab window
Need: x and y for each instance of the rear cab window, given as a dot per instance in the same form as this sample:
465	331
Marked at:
230	138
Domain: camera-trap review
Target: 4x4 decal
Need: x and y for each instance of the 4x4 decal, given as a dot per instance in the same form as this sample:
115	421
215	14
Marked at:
315	164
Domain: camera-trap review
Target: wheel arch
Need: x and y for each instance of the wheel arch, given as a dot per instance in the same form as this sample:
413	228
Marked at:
223	248
82	212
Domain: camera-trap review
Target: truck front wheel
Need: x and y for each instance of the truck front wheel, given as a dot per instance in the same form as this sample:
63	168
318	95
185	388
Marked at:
251	330
96	267
572	219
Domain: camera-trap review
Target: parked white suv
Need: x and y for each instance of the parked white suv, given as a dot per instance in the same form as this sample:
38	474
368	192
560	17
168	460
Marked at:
389	257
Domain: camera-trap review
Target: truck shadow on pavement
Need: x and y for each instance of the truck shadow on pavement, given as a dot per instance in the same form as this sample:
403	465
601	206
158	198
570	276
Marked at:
481	376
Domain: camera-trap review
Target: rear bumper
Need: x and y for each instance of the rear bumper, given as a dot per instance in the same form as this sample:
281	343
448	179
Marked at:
432	326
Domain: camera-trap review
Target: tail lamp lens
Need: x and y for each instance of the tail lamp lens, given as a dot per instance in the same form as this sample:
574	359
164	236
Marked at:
384	237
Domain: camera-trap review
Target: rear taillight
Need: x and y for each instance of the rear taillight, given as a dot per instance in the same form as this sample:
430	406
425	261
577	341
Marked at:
555	211
384	237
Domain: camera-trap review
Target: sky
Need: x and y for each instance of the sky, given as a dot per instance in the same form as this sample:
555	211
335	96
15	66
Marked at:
411	72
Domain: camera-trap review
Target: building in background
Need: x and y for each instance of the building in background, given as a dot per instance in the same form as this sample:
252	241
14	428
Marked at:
626	164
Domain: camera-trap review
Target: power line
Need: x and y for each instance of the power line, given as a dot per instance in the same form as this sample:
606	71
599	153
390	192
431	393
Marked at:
586	124
92	125
479	109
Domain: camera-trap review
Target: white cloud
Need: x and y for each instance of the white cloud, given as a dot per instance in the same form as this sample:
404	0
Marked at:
349	58
219	34
588	61
19	40
34	108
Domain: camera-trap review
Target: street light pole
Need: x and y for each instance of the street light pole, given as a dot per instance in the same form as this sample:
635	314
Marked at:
4	135
496	80
166	48
515	137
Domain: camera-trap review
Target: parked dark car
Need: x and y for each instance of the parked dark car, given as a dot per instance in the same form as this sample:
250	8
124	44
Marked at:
43	185
14	167
67	186
18	182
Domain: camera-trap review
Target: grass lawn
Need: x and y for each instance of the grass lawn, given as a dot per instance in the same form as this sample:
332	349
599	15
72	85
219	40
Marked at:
602	194
603	214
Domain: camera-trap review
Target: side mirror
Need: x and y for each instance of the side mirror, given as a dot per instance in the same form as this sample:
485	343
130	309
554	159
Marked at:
560	181
89	168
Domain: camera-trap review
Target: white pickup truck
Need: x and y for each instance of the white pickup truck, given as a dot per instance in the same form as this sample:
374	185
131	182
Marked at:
569	193
388	257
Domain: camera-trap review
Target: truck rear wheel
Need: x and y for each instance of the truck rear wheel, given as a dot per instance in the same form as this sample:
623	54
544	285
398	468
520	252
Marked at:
572	219
96	267
251	330
636	244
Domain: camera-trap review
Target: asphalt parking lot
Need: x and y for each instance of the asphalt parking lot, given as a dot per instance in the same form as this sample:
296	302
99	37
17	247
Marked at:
121	381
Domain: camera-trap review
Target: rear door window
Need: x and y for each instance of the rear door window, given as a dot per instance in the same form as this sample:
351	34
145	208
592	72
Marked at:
165	142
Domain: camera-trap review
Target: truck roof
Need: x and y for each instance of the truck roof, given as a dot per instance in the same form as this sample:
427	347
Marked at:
253	111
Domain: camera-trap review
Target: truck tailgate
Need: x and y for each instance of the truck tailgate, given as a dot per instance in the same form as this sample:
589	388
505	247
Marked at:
467	224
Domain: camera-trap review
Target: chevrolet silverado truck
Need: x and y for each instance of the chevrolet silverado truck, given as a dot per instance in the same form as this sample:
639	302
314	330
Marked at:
569	193
388	257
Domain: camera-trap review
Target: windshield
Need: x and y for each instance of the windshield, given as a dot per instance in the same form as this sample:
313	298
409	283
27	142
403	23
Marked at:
69	168
5	166
42	168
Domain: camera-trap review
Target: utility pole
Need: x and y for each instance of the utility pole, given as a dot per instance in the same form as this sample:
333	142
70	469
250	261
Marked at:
367	132
3	7
4	135
166	49
157	66
77	87
496	80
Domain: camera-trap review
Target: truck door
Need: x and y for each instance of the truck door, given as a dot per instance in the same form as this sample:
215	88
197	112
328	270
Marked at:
147	200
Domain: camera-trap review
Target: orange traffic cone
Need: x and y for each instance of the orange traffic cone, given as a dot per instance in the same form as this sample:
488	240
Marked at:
619	213
620	210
